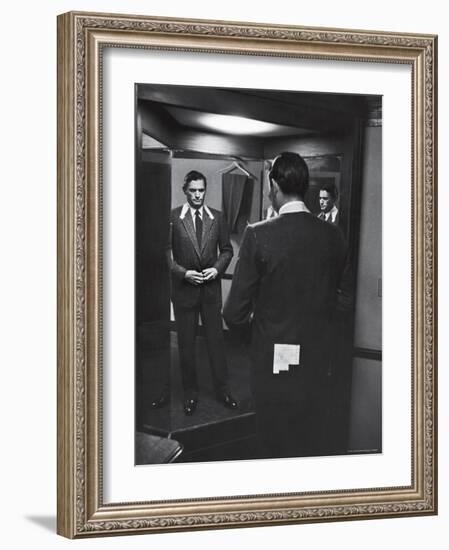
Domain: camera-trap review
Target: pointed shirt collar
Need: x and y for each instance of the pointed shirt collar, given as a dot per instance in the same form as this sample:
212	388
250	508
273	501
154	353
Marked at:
186	207
332	214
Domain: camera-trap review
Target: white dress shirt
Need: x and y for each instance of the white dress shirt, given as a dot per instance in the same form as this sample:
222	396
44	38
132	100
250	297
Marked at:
332	214
203	209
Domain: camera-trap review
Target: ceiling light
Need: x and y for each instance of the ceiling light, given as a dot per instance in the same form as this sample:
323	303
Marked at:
236	125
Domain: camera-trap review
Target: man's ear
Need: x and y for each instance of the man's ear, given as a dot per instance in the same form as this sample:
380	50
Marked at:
274	187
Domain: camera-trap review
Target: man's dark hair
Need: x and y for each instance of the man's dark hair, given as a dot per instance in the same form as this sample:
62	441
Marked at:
290	172
193	175
331	188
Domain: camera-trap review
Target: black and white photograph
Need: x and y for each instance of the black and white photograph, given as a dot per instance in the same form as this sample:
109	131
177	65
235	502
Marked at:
258	274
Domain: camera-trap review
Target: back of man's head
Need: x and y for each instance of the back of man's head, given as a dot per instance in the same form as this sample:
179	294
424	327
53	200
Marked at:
290	172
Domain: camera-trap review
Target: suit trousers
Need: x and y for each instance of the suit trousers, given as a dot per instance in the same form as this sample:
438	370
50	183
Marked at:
187	327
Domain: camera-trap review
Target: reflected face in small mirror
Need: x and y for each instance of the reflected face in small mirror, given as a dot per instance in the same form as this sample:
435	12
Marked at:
195	193
326	201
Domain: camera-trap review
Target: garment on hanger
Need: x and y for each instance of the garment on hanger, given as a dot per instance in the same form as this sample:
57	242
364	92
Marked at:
233	187
236	166
237	193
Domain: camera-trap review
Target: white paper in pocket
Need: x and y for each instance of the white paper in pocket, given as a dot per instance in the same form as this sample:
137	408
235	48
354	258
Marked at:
285	355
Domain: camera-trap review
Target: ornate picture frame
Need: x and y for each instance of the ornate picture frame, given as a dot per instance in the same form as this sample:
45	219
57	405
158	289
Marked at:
82	508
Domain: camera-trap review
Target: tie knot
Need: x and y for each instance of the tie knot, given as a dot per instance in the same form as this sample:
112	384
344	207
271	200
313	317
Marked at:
197	214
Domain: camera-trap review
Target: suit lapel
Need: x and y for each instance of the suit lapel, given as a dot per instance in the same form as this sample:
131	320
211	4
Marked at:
190	229
207	225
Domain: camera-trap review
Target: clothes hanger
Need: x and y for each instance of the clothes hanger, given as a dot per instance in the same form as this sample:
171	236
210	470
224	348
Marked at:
236	166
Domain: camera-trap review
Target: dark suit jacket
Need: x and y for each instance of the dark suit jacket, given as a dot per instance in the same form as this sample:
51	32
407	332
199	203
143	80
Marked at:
285	283
184	254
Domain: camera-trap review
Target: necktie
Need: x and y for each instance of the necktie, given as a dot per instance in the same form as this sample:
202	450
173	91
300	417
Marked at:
198	227
322	216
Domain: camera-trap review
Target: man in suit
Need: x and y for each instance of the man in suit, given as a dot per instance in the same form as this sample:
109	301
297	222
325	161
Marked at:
328	198
285	287
199	253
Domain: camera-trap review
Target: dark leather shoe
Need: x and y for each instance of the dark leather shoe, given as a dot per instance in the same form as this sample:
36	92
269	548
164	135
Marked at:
160	401
228	401
190	406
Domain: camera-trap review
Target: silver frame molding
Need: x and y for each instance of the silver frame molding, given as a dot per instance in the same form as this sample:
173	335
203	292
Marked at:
81	37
